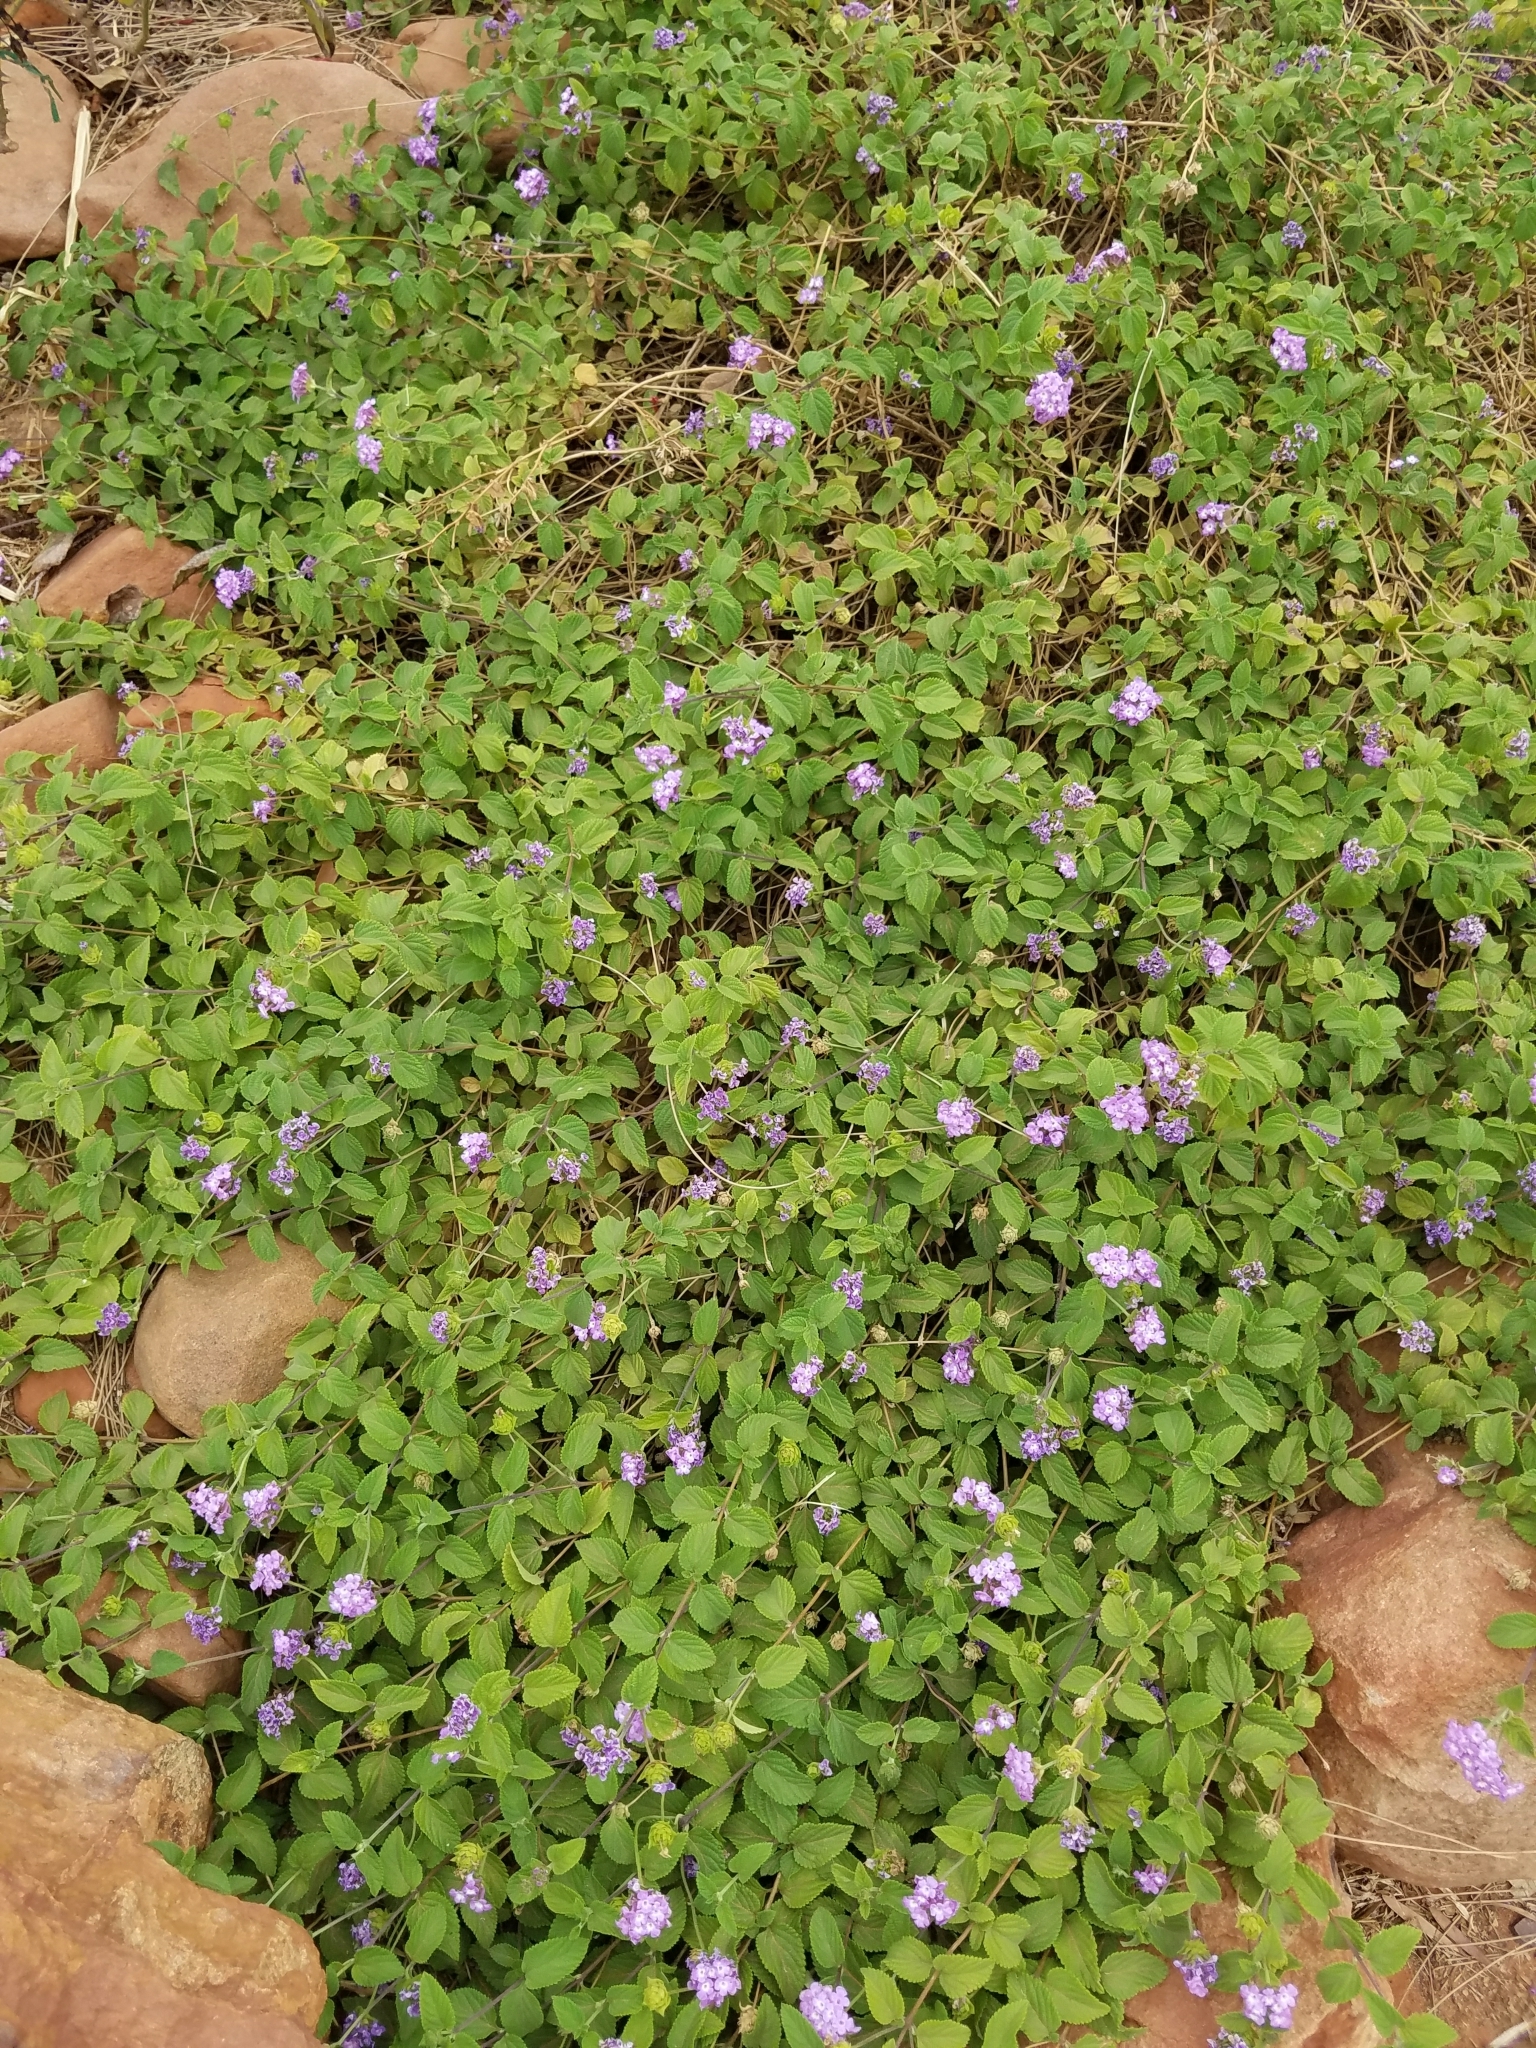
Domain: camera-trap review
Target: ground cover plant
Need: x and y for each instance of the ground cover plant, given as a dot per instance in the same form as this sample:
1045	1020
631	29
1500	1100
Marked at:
911	643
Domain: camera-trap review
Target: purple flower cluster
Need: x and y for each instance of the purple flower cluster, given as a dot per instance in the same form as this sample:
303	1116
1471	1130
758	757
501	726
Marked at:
1116	1264
1136	702
713	1978
825	2008
975	1493
1269	2005
996	1580
929	1903
646	1915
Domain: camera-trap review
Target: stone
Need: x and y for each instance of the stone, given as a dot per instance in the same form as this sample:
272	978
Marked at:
96	578
34	1388
205	693
209	1667
81	729
35	177
103	1768
450	53
1400	1597
315	102
42	14
103	1944
206	1338
1170	2016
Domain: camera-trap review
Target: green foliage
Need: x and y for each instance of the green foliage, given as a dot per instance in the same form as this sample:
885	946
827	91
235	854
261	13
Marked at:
923	581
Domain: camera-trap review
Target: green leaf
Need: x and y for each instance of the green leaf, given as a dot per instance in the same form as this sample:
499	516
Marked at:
1388	1950
552	1961
550	1622
1126	1971
779	1664
1515	1631
884	1999
1283	1641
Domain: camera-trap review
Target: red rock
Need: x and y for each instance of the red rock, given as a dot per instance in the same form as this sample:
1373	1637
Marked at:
35	176
105	1769
1172	2017
1400	1597
205	694
450	53
81	729
102	1943
42	14
98	577
327	105
35	1388
206	1338
209	1667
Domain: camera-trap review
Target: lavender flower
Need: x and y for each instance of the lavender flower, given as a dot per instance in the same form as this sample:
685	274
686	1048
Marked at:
221	1183
299	382
1076	1835
767	430
864	779
1145	1329
1019	1770
275	1714
929	1903
1162	467
113	1320
996	1580
1136	702
205	1624
1269	2005
1154	965
475	1150
1126	1109
1214	517
646	1914
825	2007
1199	1974
231	585
1469	932
1025	1061
1152	1879
462	1719
798	893
685	1449
1112	1406
1050	397
872	1073
975	1493
1289	350
810	292
956	1363
1047	1128
993	1720
470	1894
1300	919
744	353
288	1646
875	926
866	1627
262	1505
270	1573
713	1978
1356	859
1247	1277
850	1285
269	998
959	1117
1215	957
532	185
1114	1264
353	1596
1294	235
1418	1336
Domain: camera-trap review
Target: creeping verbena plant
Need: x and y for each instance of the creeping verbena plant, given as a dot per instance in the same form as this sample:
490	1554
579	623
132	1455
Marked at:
910	642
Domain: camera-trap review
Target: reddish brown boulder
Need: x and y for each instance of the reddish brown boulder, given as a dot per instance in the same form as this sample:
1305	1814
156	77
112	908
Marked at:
101	578
81	730
207	1338
42	14
35	199
103	1768
209	1667
449	54
1170	2016
1400	1597
205	694
221	132
102	1943
35	1388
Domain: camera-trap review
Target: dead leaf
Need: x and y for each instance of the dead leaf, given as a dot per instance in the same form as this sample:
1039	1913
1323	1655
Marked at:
51	557
720	380
124	604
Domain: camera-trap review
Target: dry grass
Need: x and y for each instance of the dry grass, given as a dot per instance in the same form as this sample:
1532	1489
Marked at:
1476	1966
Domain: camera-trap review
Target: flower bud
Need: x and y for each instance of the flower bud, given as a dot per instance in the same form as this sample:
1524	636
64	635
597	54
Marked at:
655	1995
